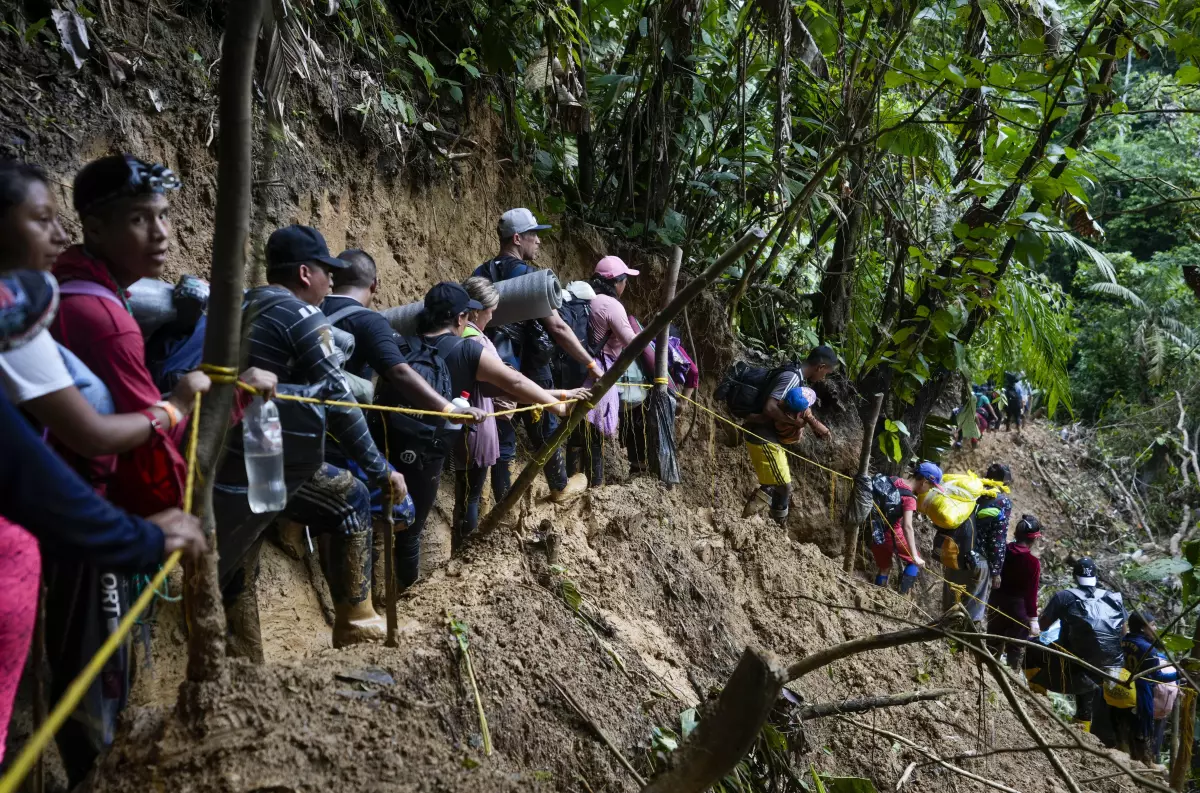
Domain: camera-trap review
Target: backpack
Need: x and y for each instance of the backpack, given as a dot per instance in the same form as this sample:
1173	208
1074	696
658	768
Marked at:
568	372
955	548
888	496
744	388
1094	623
420	434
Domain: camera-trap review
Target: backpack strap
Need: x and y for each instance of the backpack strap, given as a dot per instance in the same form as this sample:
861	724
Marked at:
347	311
83	287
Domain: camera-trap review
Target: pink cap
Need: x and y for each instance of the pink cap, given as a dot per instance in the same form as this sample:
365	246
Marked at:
613	267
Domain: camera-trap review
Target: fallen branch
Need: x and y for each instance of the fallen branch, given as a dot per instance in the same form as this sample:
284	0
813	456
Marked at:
823	709
460	635
729	728
596	728
1134	510
931	755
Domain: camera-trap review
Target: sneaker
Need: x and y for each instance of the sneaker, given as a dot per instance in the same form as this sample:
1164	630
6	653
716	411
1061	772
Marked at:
576	486
756	504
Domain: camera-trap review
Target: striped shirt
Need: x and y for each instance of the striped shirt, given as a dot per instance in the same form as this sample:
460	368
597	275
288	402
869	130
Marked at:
294	340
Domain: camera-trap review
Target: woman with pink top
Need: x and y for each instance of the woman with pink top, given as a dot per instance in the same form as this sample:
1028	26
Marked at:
610	332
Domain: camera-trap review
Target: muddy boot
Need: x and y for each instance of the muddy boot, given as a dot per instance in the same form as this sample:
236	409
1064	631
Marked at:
244	638
756	504
293	537
577	485
354	617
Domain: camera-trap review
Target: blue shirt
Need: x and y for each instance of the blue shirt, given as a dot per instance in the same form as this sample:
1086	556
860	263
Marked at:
45	496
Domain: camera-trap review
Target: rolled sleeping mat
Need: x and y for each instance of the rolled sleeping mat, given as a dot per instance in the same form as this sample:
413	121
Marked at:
531	296
344	341
403	319
153	304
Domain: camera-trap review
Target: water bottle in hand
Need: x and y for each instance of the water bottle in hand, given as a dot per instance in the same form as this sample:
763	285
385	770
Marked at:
262	442
460	403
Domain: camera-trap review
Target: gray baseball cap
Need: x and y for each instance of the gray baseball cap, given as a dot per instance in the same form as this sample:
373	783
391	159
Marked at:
519	221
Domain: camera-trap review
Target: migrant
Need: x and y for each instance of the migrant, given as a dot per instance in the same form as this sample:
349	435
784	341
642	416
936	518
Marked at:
460	365
529	347
1014	598
42	500
1092	621
892	531
772	406
290	336
125	214
609	333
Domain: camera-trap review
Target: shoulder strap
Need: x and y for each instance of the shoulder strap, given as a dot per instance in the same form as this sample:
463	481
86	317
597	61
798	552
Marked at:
347	311
83	287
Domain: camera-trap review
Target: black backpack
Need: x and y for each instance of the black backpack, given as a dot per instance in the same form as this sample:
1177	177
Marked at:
1093	625
887	496
745	387
419	434
528	341
568	372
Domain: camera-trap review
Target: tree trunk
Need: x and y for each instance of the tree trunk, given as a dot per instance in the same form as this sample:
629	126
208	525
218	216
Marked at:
853	517
206	642
837	284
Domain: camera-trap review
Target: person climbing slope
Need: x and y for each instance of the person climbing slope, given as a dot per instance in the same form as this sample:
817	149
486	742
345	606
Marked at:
1156	690
288	335
964	569
1014	598
992	514
757	396
529	347
895	499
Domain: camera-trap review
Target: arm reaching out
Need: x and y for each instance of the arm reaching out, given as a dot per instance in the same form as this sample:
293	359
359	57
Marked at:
493	371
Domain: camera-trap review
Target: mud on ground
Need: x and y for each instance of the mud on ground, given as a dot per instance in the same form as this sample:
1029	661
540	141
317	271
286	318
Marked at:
675	584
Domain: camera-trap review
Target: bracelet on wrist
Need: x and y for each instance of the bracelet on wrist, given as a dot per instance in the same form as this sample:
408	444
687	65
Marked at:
155	424
172	412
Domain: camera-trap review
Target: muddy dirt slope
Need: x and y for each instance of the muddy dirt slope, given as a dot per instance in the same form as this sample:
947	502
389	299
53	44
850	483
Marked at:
670	589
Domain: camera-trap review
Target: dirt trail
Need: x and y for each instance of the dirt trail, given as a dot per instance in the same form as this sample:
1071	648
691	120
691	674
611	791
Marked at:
676	583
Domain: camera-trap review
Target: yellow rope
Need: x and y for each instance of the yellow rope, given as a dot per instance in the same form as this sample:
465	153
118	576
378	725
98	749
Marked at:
79	686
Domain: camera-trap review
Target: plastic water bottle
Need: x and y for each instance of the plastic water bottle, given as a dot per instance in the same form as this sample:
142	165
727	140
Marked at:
460	403
262	441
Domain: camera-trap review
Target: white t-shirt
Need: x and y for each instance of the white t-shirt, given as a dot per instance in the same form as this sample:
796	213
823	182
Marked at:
34	370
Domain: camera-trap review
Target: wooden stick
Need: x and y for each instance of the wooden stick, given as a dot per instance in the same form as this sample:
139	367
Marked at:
823	709
596	728
609	379
850	550
931	755
222	338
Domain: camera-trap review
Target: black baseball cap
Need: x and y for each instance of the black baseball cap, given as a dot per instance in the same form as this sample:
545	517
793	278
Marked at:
450	298
297	244
1085	572
28	303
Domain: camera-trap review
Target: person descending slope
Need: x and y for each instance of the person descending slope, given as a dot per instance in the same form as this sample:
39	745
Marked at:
757	395
952	511
1093	622
991	521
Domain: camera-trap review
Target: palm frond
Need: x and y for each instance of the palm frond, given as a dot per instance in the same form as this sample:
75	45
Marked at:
1113	289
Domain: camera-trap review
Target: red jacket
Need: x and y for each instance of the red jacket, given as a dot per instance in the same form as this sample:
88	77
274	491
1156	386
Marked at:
109	341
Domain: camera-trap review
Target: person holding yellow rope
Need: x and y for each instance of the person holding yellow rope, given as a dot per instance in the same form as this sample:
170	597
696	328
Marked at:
780	410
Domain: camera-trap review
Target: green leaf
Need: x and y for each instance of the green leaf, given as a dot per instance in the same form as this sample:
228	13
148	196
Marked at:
1187	75
1030	248
555	205
1175	643
849	784
1159	569
1034	46
425	66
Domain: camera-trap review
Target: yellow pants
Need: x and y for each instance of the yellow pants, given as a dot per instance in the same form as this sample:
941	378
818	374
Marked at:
770	463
